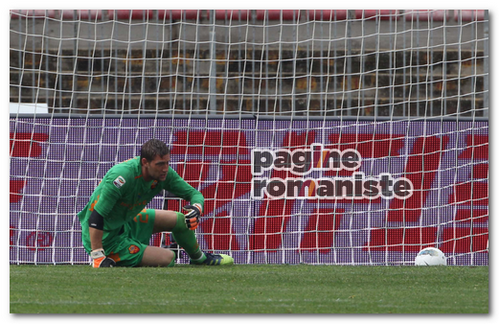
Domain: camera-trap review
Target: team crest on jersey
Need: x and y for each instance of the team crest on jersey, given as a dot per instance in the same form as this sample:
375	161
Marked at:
119	182
133	249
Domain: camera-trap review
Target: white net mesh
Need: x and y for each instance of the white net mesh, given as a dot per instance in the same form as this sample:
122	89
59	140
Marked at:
406	89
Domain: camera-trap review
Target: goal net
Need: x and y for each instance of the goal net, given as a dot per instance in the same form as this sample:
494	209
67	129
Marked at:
316	136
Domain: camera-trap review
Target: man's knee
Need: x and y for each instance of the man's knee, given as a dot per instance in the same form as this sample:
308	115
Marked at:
165	221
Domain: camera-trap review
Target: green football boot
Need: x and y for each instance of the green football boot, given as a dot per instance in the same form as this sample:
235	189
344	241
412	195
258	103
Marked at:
215	259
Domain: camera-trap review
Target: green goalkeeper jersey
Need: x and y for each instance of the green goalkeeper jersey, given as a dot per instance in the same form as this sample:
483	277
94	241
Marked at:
123	194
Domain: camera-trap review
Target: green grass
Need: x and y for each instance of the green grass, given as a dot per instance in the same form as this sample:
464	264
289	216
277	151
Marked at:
239	289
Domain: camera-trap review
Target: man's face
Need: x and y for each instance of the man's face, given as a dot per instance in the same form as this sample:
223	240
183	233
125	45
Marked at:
157	168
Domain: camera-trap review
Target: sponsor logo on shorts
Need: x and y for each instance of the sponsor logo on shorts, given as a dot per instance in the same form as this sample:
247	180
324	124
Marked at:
133	249
119	182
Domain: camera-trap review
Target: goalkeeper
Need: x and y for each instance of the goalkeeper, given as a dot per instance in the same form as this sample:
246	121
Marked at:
116	229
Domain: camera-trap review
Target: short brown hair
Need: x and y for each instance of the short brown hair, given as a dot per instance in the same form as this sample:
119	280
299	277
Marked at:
153	147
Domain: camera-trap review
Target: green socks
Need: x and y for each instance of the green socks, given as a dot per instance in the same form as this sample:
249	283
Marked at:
172	263
187	239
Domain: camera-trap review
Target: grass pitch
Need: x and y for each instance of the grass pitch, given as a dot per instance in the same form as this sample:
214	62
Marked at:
276	289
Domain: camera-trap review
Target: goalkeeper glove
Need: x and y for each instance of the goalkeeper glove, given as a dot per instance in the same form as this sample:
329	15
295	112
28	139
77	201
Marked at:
100	260
192	216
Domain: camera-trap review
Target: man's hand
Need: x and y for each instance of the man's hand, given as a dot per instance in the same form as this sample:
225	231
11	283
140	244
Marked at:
192	216
99	259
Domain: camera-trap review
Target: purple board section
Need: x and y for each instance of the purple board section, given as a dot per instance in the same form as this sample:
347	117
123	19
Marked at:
56	163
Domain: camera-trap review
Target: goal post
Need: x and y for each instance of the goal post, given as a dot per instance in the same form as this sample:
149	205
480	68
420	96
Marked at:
316	136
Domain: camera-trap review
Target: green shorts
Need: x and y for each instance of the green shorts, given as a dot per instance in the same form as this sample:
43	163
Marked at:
128	248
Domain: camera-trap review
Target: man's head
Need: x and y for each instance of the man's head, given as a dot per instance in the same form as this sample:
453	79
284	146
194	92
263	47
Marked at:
155	160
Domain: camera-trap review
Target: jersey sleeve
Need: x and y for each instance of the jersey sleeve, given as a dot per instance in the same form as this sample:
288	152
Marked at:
177	186
112	190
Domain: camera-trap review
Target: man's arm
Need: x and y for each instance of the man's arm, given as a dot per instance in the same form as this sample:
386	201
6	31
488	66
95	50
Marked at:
96	231
111	191
180	188
95	238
